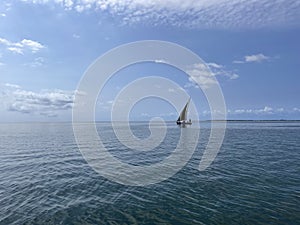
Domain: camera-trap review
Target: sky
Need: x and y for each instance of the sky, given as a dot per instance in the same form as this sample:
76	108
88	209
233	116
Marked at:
251	47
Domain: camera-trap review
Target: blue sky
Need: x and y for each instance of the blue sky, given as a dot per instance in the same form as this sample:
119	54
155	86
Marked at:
252	48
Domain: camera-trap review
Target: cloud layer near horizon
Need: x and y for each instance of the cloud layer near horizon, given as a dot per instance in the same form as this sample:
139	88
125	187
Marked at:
45	103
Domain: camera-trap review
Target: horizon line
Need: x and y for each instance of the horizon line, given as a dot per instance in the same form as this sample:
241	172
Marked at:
167	121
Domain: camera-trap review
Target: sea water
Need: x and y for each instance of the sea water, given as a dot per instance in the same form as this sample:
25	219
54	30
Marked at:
255	178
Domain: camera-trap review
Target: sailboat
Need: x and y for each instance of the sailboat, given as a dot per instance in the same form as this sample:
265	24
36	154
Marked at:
182	119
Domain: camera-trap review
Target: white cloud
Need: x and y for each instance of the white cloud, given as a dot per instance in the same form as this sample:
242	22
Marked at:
39	61
265	110
76	36
24	45
46	102
238	61
296	109
68	4
218	69
12	85
204	74
214	112
4	41
79	8
16	50
214	65
191	84
3	14
194	14
253	58
280	110
145	115
200	74
256	58
105	105
7	6
34	46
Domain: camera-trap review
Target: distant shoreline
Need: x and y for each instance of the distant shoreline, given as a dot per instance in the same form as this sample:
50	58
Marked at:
281	120
168	121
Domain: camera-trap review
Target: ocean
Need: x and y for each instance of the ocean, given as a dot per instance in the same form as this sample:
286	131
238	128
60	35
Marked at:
255	178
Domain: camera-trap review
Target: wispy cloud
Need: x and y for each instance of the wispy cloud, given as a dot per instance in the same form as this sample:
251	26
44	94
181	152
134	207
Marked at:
200	74
256	58
253	58
264	111
12	85
37	62
204	74
267	110
218	69
46	102
296	109
21	46
194	14
105	105
16	50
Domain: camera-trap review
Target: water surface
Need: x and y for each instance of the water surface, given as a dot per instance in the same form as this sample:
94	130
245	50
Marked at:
255	178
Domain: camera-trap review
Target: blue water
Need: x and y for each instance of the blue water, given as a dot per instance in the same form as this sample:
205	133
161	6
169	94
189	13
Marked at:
255	179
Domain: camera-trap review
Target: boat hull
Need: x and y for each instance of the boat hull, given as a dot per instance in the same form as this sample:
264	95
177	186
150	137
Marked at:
183	122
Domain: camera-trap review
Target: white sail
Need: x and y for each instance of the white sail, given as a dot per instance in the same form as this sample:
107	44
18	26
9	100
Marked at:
183	114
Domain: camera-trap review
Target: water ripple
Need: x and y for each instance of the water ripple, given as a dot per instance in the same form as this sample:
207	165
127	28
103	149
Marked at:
254	180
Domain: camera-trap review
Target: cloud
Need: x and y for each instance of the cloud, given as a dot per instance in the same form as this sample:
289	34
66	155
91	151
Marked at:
256	58
238	62
145	115
200	74
3	15
193	14
265	110
12	85
105	105
4	41
39	61
46	102
32	45
253	58
204	74
16	50
218	69
76	36
214	65
296	109
24	45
